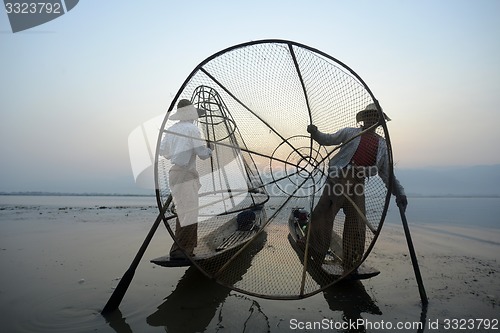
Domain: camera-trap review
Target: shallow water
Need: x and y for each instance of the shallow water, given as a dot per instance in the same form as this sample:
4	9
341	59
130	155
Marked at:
455	211
61	257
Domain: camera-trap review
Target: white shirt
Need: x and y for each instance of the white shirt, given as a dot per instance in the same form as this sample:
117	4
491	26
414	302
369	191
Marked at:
183	148
346	152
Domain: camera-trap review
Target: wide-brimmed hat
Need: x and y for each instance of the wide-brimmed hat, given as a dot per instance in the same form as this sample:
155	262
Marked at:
186	111
369	112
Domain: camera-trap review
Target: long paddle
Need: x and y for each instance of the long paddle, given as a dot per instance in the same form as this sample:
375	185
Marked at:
421	289
117	296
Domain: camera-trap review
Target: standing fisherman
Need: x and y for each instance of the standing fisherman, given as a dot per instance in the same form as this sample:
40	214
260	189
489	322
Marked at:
360	157
183	177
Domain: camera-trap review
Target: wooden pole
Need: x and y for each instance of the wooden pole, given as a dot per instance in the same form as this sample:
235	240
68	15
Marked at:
421	289
117	296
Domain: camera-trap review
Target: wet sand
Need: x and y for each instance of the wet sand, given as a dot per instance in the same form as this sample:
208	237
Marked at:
61	263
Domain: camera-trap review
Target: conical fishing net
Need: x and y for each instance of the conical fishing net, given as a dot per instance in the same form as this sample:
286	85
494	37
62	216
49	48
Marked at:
266	174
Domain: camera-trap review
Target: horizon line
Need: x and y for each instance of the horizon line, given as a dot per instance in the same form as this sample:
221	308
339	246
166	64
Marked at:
98	194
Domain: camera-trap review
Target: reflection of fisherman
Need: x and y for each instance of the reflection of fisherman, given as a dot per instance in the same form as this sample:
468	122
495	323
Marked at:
198	301
363	156
183	178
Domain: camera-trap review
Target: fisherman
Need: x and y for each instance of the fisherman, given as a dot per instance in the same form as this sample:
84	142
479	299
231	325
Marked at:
183	177
363	154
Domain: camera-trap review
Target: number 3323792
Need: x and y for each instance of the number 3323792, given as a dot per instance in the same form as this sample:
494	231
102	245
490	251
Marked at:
32	8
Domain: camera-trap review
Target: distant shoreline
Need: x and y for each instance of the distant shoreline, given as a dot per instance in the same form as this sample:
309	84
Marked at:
64	194
453	195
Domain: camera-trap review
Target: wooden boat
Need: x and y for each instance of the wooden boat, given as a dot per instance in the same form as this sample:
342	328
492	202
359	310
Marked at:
332	265
218	244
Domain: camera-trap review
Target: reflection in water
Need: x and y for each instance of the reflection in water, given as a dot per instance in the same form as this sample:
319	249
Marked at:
198	300
423	318
192	305
351	298
201	304
117	322
194	302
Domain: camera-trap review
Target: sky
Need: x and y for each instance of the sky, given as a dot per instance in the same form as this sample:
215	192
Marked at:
75	88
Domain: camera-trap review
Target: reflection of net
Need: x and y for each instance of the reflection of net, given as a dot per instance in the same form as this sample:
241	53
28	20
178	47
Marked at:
259	99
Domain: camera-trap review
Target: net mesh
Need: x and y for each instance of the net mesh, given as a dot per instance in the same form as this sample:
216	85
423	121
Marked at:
259	99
